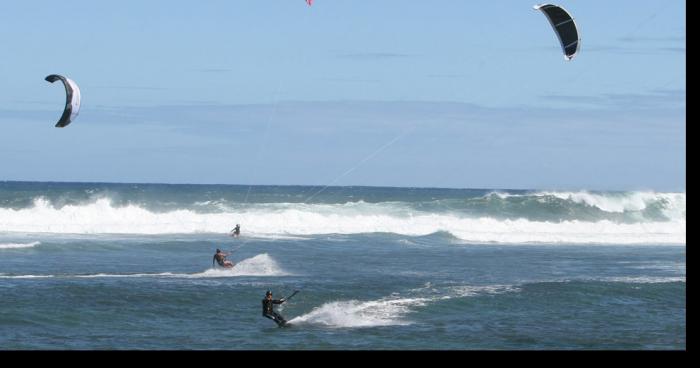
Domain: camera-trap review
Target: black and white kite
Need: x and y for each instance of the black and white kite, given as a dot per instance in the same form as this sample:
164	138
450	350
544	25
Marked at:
564	26
72	99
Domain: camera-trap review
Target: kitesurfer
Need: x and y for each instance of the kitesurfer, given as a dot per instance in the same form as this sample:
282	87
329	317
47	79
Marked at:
236	231
220	258
268	311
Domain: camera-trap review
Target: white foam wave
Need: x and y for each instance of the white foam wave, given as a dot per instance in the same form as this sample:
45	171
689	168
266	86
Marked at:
18	245
260	265
487	230
389	311
674	203
101	217
290	220
632	201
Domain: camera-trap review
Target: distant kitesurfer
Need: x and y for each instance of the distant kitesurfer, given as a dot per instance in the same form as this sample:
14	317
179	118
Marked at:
236	231
268	311
220	258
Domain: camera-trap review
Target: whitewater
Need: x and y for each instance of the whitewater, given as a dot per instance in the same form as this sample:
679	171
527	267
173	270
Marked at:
487	217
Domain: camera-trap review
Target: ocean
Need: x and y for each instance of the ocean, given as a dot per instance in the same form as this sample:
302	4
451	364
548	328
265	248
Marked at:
129	266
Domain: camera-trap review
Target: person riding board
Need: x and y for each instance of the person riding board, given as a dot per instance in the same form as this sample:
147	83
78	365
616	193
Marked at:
220	258
269	312
236	231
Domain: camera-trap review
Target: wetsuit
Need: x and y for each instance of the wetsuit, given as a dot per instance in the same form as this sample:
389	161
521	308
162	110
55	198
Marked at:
219	259
268	312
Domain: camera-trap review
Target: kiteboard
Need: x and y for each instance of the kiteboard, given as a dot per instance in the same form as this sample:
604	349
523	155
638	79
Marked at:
284	323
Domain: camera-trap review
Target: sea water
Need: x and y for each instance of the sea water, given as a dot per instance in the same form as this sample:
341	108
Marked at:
129	266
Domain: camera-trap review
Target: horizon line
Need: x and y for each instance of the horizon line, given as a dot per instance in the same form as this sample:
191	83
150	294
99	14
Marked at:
337	186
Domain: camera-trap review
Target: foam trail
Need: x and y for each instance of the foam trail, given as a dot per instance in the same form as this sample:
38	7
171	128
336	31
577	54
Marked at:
354	313
389	311
18	245
644	279
464	291
116	275
260	265
99	275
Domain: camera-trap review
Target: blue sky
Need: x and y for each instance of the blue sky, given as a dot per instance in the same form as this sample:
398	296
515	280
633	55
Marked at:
346	92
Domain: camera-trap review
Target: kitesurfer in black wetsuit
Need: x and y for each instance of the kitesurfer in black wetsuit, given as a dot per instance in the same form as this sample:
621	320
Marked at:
268	311
220	258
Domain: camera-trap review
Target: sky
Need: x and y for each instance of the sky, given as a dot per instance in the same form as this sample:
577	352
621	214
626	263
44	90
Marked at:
445	93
